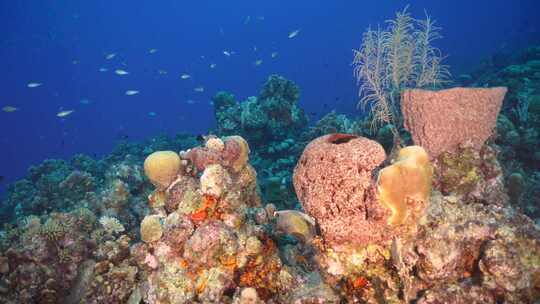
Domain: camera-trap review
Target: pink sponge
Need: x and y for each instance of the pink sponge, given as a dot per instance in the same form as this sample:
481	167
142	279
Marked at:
333	180
442	120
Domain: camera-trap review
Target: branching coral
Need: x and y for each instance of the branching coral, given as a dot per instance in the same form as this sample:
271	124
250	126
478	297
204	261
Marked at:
398	57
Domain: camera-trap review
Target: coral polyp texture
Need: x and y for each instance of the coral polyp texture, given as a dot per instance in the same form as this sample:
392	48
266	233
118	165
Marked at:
162	167
441	120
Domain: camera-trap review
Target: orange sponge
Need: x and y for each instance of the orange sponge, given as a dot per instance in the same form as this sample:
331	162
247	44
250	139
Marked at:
406	183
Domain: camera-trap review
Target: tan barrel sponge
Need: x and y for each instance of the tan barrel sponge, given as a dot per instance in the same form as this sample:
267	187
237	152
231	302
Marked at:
162	167
405	186
440	121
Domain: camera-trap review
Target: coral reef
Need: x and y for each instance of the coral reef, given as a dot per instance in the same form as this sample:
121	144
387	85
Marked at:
209	248
206	225
272	116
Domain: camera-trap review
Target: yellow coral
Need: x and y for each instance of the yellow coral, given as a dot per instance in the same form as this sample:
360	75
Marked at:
406	181
161	168
151	229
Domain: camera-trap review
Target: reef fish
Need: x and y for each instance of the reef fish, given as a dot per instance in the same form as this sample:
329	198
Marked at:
227	53
274	54
121	72
258	62
295	223
185	76
212	65
132	92
293	34
9	109
152	51
199	89
34	84
64	113
103	70
110	56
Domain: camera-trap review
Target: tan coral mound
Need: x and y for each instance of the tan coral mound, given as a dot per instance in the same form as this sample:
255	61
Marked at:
406	184
440	121
161	168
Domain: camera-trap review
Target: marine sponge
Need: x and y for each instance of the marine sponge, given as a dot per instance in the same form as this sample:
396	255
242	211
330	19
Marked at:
407	180
333	182
161	168
151	229
441	120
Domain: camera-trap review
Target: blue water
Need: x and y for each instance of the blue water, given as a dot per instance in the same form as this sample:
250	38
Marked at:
63	44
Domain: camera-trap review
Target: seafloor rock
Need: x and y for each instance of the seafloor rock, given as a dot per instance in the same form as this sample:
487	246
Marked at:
440	121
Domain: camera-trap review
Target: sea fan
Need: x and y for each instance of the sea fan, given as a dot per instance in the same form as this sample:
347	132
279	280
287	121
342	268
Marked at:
391	60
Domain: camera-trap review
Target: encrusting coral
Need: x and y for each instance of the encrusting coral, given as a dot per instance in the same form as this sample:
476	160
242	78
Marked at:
406	183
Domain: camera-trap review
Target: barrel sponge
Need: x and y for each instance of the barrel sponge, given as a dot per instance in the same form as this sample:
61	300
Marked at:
161	168
406	183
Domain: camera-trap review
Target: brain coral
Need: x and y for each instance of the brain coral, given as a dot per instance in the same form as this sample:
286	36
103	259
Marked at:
442	120
162	167
333	181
